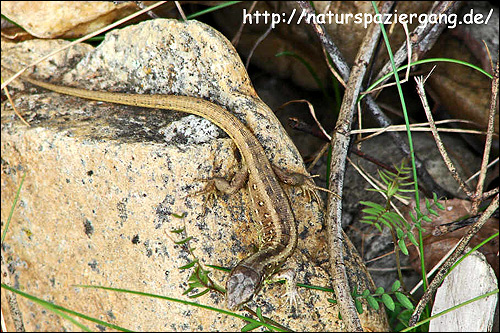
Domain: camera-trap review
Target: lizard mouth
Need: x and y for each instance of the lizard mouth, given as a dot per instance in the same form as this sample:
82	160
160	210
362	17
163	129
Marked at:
243	283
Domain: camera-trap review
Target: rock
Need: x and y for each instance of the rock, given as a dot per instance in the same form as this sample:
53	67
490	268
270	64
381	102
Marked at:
471	278
104	190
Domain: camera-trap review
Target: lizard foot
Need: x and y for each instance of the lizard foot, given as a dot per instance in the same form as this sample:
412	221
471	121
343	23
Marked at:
291	292
305	182
210	189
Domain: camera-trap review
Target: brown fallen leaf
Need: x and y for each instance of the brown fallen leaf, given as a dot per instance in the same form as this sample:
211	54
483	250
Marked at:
446	230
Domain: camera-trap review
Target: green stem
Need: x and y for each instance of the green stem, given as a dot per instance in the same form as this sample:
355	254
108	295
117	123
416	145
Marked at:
410	144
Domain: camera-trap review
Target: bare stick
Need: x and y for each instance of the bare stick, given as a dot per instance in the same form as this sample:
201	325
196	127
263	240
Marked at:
181	12
439	143
492	163
425	179
257	43
312	113
487	145
451	260
422	37
340	144
407	75
14	107
237	36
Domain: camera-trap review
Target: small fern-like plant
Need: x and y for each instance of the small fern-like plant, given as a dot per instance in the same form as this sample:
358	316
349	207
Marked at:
199	278
397	185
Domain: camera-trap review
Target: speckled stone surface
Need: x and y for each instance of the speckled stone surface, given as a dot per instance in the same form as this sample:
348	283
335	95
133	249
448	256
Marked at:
104	188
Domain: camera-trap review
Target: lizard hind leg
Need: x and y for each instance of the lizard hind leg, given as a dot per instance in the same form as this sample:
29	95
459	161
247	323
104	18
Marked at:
305	182
238	181
291	292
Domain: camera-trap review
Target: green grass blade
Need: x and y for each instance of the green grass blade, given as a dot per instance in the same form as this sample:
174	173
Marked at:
450	309
12	208
181	301
52	307
211	9
427	61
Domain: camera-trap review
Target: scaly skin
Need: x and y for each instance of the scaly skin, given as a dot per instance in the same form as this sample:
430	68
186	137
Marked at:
270	203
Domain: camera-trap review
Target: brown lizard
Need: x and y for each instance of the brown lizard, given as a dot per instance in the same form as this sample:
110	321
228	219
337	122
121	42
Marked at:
270	203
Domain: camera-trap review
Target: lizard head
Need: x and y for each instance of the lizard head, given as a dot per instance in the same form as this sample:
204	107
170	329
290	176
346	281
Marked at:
243	283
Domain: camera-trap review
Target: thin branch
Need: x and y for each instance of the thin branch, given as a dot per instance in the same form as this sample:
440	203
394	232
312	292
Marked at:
237	36
424	177
257	43
451	260
340	144
439	143
179	8
413	128
14	107
490	193
435	268
487	145
422	37
407	74
311	112
378	185
492	163
328	44
383	121
320	153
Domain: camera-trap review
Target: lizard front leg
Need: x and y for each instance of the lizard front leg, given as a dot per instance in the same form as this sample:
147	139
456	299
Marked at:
291	292
234	185
223	185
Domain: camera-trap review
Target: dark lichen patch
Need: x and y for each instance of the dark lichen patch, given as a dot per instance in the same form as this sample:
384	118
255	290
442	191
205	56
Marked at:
94	265
97	121
304	234
164	211
135	239
122	210
111	315
88	228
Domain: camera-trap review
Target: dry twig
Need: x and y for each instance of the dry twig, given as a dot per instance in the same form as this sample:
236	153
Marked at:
476	200
478	197
340	143
425	179
14	107
439	143
451	260
422	38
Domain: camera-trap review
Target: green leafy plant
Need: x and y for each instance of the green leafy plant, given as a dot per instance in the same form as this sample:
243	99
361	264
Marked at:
383	215
199	278
380	215
381	296
396	185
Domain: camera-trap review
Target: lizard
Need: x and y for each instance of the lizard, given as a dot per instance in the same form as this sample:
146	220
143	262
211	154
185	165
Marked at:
270	202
